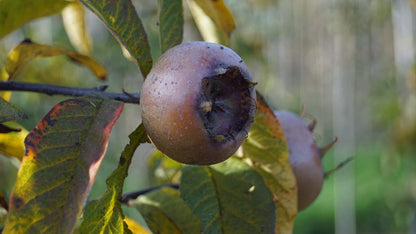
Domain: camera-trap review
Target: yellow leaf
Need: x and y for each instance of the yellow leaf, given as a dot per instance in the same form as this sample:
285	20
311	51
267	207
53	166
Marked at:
73	17
135	228
268	153
27	50
3	77
214	20
12	143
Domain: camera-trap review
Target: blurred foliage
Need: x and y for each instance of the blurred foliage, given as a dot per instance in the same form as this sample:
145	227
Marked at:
291	73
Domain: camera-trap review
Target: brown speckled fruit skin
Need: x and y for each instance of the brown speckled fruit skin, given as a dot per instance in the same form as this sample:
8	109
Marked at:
170	103
304	157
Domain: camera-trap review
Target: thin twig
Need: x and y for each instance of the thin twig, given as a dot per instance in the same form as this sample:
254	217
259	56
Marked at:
125	198
69	91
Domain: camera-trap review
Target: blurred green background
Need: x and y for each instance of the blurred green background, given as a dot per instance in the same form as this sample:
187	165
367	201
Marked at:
349	62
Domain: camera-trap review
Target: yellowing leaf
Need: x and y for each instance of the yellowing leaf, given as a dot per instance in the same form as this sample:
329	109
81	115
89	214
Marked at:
3	77
134	227
27	50
266	148
214	20
12	143
14	13
73	17
63	154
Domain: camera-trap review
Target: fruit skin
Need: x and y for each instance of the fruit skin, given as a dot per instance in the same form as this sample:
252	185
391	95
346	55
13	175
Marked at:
180	120
304	157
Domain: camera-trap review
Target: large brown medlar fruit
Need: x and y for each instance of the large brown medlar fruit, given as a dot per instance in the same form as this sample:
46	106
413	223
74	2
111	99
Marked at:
198	103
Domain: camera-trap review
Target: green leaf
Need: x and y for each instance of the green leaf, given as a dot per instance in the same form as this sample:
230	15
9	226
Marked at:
27	50
9	112
266	148
122	20
105	215
229	197
170	23
165	212
14	13
63	154
162	169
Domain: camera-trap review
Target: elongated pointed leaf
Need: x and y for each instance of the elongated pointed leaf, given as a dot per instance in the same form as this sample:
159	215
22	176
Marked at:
166	212
122	20
10	112
170	23
229	197
63	153
13	14
27	50
73	17
105	215
266	147
214	20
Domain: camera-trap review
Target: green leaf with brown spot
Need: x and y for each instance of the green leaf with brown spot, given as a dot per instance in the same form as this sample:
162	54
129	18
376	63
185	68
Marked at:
229	197
63	154
166	212
266	148
27	50
105	215
14	13
170	23
122	20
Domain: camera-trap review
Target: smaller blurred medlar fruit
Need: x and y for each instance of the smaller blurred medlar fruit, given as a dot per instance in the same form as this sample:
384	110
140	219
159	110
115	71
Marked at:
198	103
304	156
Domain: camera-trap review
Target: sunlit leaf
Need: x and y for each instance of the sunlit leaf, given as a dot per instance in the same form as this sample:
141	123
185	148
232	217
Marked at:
214	20
14	13
122	20
134	227
10	112
266	148
162	169
73	17
27	50
63	153
105	215
229	197
170	23
12	143
165	212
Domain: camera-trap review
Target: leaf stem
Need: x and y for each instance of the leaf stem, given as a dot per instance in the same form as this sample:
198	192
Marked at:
69	91
125	198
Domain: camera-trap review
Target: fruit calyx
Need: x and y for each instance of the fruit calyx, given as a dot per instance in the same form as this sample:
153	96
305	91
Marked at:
225	105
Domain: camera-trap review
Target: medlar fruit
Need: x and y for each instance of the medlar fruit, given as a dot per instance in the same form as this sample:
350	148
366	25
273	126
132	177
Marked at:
198	103
304	156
